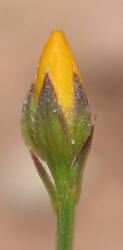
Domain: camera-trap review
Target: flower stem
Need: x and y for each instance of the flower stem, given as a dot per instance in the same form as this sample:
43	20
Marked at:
65	223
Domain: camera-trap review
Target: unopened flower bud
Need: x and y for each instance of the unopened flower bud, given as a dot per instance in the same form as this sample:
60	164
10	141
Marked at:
56	119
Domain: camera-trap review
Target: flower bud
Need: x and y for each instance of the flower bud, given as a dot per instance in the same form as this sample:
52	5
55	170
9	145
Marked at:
56	120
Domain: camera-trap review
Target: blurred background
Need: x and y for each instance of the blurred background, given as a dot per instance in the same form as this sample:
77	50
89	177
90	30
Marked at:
95	31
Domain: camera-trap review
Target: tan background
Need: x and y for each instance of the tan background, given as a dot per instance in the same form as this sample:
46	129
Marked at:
95	32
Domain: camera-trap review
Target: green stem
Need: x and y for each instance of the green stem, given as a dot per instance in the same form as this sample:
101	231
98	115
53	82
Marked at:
65	223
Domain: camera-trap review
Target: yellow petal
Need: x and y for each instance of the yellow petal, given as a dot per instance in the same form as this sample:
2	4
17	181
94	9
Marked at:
58	61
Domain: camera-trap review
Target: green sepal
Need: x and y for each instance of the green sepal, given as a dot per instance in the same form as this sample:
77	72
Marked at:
44	175
78	166
28	120
81	125
52	135
51	138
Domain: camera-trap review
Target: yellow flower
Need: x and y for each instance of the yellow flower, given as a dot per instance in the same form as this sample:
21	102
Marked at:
57	128
58	61
56	120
